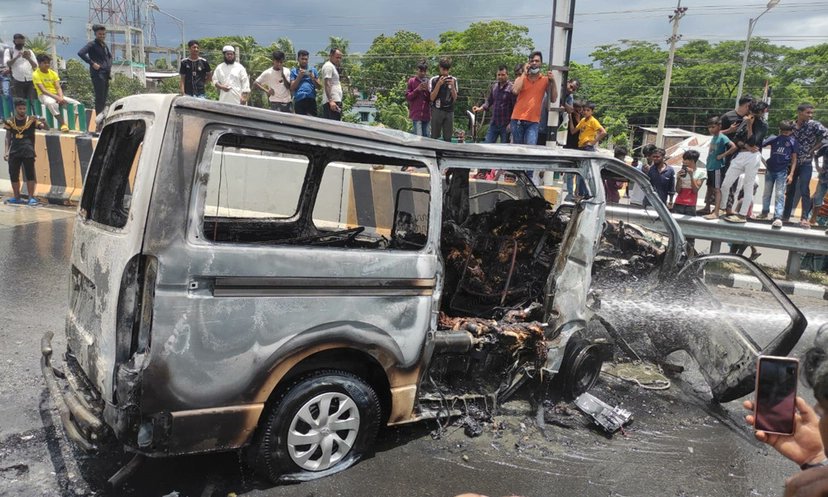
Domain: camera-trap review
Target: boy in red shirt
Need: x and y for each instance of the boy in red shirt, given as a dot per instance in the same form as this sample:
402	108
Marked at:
688	182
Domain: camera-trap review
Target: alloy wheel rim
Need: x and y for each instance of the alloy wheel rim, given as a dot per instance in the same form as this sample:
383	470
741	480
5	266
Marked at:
323	431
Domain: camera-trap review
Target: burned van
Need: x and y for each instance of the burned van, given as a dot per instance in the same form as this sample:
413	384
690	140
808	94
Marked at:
245	278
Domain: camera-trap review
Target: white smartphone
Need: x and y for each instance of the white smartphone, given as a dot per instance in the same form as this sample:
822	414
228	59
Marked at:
775	404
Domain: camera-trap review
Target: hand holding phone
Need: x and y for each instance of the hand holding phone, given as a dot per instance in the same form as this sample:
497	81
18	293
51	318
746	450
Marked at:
775	405
805	445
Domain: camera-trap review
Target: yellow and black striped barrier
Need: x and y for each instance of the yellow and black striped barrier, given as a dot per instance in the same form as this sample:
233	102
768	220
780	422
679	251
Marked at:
60	166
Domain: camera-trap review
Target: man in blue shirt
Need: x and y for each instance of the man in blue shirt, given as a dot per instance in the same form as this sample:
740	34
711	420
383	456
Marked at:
781	168
303	83
662	177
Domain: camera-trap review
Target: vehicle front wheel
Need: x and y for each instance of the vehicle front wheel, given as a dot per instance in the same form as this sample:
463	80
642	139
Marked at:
323	423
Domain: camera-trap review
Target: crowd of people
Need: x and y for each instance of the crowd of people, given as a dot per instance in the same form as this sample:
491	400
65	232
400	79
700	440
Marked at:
733	162
288	90
518	109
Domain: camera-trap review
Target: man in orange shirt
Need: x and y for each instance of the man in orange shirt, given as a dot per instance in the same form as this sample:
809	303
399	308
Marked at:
530	89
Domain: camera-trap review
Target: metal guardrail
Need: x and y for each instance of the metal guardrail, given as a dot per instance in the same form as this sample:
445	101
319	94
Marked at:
794	240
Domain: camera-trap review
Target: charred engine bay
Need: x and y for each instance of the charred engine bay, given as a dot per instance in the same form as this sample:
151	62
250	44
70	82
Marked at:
497	264
497	267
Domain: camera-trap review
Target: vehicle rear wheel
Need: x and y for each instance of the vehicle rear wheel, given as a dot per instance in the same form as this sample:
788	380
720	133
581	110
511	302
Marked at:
323	423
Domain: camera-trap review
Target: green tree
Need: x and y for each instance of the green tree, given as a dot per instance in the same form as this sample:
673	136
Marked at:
391	59
392	114
79	86
161	64
38	45
625	81
285	44
476	53
76	83
334	42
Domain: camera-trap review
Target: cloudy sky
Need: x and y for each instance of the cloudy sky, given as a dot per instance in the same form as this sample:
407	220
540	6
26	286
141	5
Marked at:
309	22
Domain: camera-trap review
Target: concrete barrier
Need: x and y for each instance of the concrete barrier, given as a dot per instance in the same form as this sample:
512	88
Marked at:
60	166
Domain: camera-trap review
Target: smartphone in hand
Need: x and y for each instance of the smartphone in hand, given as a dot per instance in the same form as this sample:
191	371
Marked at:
774	408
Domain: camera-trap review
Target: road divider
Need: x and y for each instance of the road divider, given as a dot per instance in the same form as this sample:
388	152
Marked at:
60	166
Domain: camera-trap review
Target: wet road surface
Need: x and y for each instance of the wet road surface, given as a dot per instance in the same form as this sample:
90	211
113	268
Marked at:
680	444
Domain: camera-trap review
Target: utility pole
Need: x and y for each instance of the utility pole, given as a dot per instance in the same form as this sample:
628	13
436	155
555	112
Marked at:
52	37
665	95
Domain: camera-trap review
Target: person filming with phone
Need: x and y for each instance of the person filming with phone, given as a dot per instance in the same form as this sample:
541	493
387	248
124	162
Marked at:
304	81
796	431
443	96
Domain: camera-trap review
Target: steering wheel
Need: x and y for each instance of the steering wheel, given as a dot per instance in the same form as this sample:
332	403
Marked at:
347	235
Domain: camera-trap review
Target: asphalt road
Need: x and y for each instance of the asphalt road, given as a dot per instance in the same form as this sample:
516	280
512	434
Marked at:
680	444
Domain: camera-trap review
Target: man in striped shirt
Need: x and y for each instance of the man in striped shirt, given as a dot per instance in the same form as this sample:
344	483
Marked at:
501	101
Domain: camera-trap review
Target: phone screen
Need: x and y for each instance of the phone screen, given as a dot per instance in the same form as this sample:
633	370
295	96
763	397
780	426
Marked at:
776	379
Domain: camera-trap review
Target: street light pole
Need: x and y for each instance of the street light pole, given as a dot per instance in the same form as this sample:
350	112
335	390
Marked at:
180	23
751	25
665	94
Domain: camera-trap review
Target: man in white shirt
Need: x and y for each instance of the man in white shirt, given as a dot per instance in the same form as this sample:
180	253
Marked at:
22	63
231	79
332	96
275	81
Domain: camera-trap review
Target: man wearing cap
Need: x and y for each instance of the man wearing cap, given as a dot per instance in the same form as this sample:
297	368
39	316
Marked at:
21	63
96	53
231	79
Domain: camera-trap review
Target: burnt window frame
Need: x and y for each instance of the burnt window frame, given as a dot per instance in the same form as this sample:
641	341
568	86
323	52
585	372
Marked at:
253	140
94	189
289	143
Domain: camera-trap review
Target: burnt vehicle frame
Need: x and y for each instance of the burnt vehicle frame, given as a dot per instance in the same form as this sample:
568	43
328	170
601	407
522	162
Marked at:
191	332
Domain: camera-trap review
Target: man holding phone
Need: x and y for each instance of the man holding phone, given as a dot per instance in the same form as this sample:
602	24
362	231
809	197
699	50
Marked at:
443	96
417	95
304	81
21	63
530	89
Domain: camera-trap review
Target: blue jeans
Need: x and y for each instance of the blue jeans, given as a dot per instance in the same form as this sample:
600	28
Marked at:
774	181
524	132
421	128
496	131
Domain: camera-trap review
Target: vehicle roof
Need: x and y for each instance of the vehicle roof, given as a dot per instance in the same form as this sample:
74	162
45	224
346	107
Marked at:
390	136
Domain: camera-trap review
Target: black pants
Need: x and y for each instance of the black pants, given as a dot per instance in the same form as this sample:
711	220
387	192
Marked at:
100	85
327	113
442	123
306	106
23	89
16	164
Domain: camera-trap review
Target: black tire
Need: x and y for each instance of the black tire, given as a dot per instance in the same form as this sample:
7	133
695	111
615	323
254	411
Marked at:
278	454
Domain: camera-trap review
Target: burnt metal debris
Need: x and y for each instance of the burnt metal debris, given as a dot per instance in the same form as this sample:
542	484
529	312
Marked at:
609	418
499	260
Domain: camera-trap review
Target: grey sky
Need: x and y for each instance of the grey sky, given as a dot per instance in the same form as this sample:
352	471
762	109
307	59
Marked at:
309	23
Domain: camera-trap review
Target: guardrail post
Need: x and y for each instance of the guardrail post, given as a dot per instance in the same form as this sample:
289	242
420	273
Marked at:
794	264
715	247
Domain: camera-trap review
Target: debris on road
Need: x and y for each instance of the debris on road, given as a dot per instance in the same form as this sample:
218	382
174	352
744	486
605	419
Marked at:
611	419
